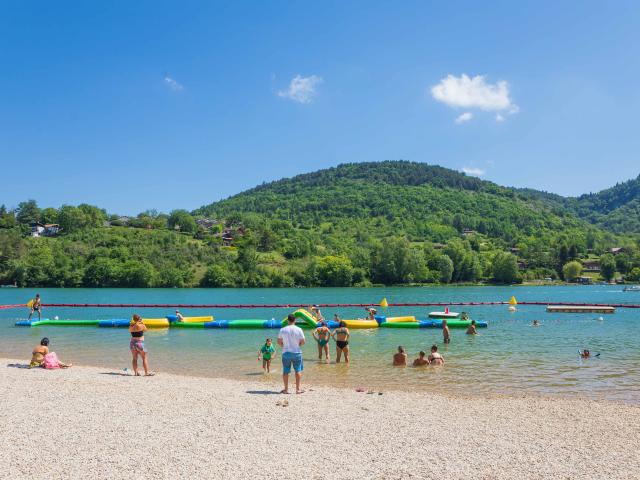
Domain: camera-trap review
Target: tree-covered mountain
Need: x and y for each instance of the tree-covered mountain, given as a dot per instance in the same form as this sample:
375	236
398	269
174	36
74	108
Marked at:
616	209
393	222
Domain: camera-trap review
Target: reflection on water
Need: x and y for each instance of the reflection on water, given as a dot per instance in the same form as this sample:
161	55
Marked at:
508	357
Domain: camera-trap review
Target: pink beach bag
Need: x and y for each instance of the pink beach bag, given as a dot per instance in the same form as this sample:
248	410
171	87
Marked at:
51	361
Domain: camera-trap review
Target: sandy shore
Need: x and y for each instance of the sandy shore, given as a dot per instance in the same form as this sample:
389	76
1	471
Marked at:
97	423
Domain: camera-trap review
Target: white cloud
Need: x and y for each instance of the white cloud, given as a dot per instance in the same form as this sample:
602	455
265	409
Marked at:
302	89
465	117
499	118
474	92
173	84
476	172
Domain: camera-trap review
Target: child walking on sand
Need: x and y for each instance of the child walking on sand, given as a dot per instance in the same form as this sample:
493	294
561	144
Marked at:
267	353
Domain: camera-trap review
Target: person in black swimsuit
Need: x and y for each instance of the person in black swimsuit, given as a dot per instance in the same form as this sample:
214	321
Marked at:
136	345
341	336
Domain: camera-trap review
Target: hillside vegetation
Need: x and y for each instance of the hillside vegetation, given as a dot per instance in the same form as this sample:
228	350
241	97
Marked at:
393	222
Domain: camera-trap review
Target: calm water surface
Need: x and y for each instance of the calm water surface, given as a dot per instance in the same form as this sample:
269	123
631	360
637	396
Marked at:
508	357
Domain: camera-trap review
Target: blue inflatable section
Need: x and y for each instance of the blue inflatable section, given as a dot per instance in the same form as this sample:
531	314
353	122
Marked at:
333	324
217	324
23	323
114	323
272	324
380	319
172	318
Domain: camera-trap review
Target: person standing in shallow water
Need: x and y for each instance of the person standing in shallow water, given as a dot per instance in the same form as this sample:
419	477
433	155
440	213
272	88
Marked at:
291	339
445	332
322	335
341	336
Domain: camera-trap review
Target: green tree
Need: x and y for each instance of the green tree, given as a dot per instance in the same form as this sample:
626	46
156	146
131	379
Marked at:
71	219
49	215
443	265
218	276
183	221
634	275
607	267
334	271
28	212
505	268
572	270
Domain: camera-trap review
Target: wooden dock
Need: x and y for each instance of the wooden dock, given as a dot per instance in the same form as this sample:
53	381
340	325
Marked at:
580	309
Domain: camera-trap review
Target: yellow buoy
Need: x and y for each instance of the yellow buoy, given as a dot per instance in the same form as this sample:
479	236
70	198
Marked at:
384	303
513	301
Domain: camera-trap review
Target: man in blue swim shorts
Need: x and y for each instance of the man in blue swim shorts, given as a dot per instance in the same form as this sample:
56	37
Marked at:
291	339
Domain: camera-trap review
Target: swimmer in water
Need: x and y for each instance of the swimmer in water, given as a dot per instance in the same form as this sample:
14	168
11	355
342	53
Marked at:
472	328
421	361
435	358
535	323
400	358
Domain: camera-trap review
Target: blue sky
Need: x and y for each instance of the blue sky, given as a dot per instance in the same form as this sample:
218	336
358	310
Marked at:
137	105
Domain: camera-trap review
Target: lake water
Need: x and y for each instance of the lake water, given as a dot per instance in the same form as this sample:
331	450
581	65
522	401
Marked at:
508	357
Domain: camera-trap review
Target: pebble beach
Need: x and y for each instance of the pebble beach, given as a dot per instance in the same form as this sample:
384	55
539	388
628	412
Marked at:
101	423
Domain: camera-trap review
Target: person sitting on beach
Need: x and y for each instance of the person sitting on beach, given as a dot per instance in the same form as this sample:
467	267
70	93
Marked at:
445	332
41	353
421	361
341	336
472	328
322	335
267	353
400	358
291	339
36	306
136	345
179	316
435	358
315	311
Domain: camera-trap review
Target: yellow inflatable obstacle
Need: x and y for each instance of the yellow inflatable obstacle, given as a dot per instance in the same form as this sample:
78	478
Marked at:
197	319
361	323
409	318
156	322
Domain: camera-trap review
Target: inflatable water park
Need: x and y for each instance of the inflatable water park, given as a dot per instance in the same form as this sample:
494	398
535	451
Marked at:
304	319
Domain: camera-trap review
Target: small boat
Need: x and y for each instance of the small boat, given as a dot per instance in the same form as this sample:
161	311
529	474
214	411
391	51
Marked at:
446	314
632	288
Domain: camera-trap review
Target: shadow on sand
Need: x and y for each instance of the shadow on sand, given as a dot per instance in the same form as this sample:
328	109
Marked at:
263	392
18	365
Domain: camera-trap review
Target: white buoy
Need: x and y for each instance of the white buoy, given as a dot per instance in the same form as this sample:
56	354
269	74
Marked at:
56	317
512	308
601	319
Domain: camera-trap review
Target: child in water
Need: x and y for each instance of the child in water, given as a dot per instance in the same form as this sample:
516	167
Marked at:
267	352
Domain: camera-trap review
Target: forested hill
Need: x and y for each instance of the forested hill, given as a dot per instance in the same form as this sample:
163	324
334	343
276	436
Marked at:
424	201
393	222
616	209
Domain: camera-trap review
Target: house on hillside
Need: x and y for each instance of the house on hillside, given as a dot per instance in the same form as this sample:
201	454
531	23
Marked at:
438	246
617	250
468	232
522	265
514	250
44	229
584	280
227	237
206	223
591	265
